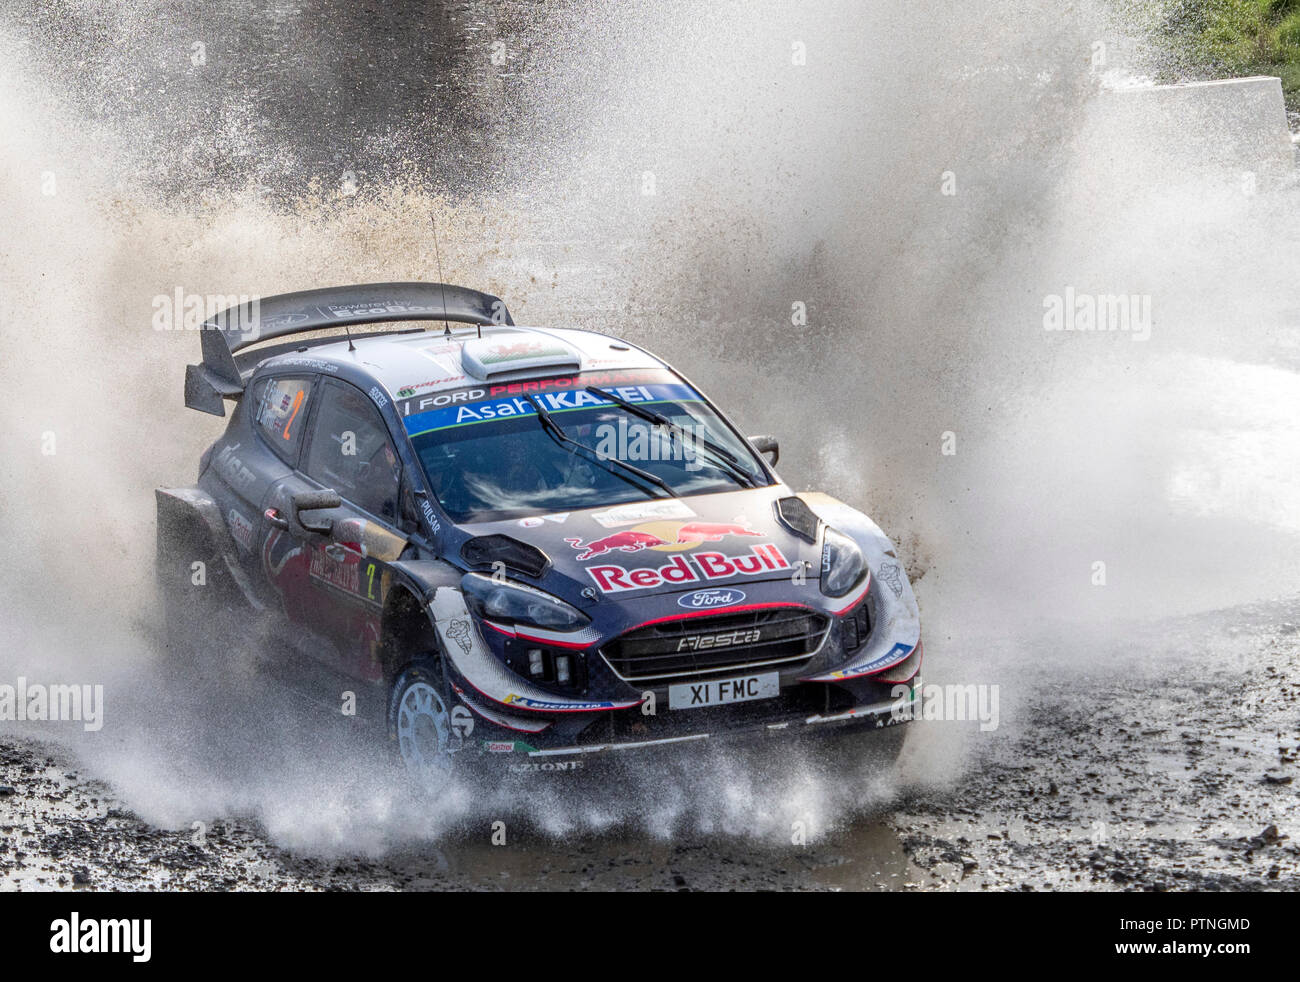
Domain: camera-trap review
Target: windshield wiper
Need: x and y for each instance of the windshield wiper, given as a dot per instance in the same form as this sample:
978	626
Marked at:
557	433
725	460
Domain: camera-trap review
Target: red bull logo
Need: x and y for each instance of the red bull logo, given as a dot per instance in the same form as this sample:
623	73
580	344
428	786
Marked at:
710	531
629	541
765	559
661	536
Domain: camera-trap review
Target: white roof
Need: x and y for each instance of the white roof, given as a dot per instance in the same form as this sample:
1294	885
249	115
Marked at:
428	360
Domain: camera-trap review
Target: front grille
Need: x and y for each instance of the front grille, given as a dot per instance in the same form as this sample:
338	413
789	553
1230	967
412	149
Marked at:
693	646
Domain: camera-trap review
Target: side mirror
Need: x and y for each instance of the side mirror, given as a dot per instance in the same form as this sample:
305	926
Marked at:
315	501
767	445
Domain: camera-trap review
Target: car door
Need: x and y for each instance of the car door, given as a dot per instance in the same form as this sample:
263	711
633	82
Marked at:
350	451
280	406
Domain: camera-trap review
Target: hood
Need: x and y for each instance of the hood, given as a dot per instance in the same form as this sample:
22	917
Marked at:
663	545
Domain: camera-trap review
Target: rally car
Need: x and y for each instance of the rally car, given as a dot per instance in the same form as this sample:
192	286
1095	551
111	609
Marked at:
536	548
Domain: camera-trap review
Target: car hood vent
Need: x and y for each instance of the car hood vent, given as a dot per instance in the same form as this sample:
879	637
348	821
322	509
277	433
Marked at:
504	353
795	515
487	550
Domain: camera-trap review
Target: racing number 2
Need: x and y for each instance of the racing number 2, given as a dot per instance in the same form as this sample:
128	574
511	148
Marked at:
297	404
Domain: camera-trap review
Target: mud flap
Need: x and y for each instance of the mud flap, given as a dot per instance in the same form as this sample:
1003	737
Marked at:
183	509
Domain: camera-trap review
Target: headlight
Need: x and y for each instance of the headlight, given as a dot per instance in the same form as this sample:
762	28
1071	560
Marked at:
516	603
842	563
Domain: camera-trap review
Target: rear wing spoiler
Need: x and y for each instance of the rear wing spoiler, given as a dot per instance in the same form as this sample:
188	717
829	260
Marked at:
220	374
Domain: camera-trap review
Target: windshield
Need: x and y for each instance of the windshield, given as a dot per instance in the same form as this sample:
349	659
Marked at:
490	455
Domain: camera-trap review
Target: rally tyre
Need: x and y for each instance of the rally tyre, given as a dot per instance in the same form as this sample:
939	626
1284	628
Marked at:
419	724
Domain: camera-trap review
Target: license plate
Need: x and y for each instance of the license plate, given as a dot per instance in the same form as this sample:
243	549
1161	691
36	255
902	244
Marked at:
719	692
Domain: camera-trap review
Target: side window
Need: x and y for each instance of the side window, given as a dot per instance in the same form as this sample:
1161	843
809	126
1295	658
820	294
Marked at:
350	451
281	414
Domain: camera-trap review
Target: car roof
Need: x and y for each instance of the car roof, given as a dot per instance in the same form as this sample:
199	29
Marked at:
430	360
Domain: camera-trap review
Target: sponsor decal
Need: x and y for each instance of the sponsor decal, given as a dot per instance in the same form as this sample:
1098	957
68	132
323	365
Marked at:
514	350
526	703
287	320
892	574
429	515
458	631
660	536
758	561
708	599
241	529
380	400
354	574
890	657
374	307
629	541
547	766
412	405
556	402
315	364
443	347
499	746
603	380
533	521
465	407
642	511
277	551
462	721
728	639
232	468
407	391
500	719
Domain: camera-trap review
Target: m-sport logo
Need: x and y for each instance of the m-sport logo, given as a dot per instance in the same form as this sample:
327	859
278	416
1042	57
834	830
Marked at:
708	599
729	639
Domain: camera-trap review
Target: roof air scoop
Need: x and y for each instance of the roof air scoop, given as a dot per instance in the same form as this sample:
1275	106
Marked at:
517	353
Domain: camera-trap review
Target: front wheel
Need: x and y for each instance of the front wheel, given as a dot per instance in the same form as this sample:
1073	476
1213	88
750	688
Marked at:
419	722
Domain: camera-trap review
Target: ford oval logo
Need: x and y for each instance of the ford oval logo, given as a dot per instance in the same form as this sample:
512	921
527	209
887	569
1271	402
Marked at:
707	599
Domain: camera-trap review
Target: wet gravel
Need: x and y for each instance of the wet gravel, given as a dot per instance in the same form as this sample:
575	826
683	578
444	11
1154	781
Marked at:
1173	780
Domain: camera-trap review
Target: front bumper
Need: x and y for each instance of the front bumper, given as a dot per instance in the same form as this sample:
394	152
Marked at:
516	754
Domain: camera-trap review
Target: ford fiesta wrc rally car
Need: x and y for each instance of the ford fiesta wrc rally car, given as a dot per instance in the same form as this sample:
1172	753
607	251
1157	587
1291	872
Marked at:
538	548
